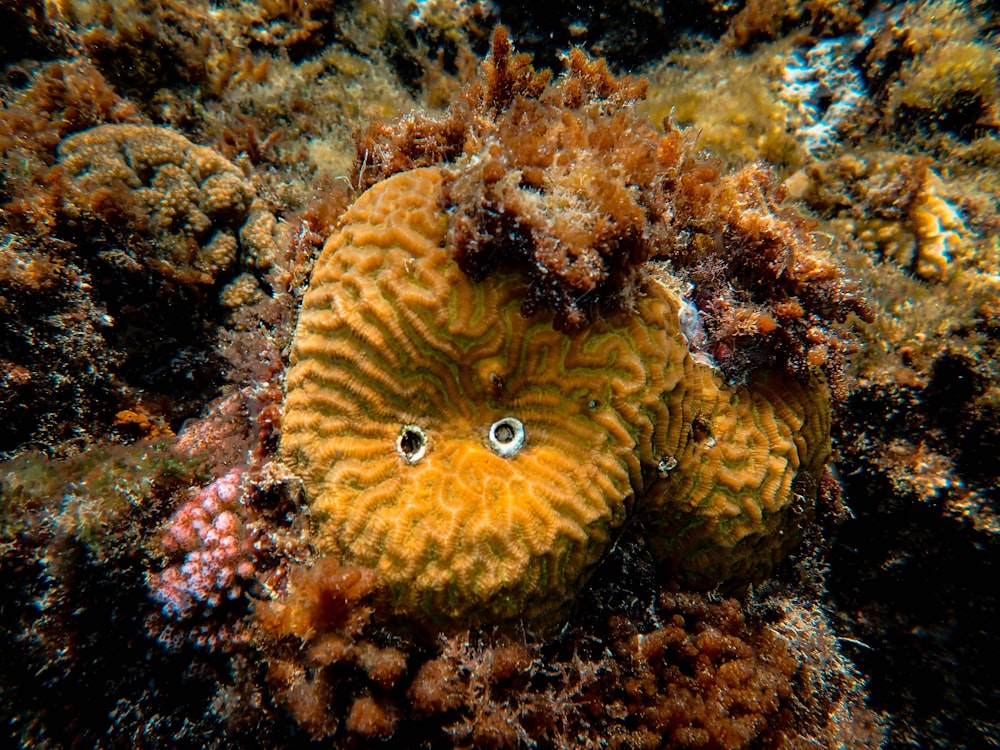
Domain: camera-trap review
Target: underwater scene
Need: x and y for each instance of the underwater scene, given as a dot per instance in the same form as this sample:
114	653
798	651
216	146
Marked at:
490	374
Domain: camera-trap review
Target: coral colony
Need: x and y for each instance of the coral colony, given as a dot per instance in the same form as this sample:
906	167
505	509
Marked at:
369	386
216	550
519	449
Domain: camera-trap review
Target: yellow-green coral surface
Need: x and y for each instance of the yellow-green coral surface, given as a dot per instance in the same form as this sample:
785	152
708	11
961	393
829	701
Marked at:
482	461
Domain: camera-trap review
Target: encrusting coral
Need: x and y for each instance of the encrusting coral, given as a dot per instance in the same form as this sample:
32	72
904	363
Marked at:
481	460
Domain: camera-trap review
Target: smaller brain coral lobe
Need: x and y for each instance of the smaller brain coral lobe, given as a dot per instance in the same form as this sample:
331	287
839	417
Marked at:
480	459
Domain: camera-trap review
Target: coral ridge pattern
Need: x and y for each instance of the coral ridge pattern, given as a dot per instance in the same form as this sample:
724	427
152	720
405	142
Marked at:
410	390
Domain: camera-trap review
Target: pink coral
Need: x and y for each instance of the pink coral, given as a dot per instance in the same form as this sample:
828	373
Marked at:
215	546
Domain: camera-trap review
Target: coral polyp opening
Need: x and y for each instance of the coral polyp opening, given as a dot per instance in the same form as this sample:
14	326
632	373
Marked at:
507	437
411	443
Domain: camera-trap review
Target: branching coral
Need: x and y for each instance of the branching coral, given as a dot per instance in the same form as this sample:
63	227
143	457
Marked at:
220	550
481	460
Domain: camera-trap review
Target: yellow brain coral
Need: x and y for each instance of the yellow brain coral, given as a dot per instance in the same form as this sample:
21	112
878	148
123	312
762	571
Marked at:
482	461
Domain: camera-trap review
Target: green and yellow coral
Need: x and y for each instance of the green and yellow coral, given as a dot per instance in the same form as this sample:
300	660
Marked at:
482	461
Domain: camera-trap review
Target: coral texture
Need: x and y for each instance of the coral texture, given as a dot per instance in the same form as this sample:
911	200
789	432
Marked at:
911	217
193	200
219	550
481	460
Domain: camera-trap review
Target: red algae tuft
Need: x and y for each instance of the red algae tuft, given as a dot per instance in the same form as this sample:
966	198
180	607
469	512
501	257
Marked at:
568	184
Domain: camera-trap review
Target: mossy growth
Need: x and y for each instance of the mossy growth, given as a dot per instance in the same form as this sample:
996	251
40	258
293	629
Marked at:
104	497
949	82
730	100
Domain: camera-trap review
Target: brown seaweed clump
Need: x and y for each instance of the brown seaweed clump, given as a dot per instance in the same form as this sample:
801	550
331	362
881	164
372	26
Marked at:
703	678
568	184
705	675
327	661
705	672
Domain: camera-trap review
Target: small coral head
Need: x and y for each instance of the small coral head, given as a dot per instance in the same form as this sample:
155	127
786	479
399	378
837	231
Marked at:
479	459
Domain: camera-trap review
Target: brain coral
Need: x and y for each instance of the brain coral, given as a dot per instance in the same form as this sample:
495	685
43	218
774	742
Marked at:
481	460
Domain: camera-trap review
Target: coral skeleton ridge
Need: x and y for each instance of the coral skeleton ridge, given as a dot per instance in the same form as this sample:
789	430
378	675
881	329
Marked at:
941	233
482	460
